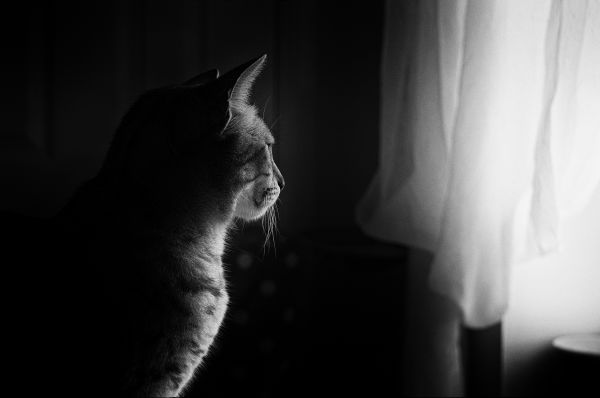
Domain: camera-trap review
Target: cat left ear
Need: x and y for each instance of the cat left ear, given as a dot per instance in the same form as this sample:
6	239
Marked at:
239	81
203	78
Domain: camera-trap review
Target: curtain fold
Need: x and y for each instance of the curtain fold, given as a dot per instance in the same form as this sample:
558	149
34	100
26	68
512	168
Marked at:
489	137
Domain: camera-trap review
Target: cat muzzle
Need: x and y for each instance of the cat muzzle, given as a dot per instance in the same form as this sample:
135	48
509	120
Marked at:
270	194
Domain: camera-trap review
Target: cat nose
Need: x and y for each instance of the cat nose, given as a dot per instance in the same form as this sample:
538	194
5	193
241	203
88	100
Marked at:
278	176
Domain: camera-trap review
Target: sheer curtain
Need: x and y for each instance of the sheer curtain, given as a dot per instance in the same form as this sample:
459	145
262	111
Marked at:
489	137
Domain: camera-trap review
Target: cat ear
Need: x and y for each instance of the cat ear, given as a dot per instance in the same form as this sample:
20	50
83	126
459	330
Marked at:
203	78
238	81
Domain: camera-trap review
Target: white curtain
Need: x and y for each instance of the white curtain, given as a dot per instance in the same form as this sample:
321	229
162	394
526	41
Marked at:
489	137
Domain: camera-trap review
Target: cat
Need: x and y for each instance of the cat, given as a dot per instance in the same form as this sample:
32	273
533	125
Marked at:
128	290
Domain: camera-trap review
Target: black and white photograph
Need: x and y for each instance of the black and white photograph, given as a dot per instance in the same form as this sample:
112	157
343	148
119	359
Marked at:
297	199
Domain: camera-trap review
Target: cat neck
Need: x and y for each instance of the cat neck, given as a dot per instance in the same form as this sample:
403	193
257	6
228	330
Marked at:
209	243
107	211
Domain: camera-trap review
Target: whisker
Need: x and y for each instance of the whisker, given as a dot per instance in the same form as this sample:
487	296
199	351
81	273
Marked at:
269	224
274	230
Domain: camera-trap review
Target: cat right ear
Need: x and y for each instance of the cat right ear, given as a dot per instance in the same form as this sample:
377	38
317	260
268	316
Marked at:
238	82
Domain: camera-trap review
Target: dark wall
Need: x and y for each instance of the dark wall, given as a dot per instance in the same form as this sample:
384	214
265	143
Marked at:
347	106
72	68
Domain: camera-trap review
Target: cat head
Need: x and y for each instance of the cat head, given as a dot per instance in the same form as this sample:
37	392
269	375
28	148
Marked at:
201	141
